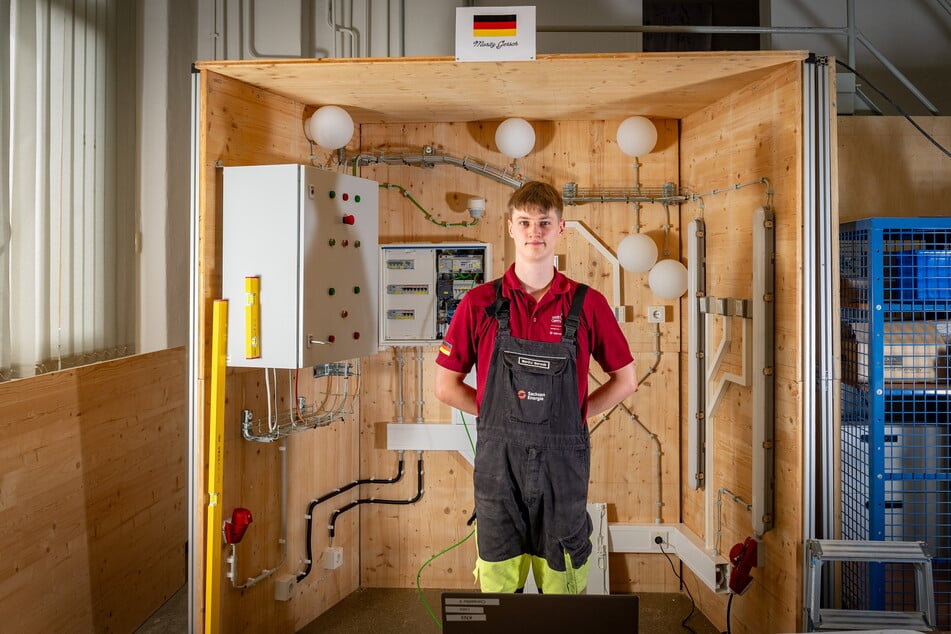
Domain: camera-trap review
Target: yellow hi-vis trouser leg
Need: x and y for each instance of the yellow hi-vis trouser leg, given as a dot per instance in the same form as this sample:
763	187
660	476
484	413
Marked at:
510	575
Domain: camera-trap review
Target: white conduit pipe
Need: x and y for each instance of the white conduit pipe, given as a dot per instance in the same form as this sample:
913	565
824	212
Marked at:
233	558
419	384
399	385
738	500
349	31
658	452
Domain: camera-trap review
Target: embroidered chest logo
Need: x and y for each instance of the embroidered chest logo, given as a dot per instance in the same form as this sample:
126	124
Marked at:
554	328
530	396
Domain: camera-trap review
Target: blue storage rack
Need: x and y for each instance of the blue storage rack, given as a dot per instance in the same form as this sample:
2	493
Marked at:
896	403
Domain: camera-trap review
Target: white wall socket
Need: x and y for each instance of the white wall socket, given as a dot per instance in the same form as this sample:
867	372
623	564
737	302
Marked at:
333	558
284	587
656	314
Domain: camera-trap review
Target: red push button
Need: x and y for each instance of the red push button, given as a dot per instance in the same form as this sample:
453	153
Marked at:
349	219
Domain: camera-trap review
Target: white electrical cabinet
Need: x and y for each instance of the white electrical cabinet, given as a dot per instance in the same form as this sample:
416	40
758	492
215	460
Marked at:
299	265
421	284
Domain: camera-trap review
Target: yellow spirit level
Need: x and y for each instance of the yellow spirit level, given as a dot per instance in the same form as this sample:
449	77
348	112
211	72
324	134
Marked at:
252	317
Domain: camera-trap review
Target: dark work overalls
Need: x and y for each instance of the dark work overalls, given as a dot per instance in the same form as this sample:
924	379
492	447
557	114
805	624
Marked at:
532	462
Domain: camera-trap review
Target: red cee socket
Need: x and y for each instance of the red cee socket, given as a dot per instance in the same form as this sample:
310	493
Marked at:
743	559
235	527
349	219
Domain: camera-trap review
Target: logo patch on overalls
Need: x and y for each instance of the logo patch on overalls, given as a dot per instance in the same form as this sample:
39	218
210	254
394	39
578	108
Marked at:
530	396
529	362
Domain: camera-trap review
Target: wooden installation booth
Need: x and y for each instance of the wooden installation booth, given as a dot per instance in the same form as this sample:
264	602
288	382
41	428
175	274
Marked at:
730	144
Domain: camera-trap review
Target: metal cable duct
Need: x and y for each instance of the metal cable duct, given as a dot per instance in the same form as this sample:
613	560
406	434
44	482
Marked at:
667	194
428	158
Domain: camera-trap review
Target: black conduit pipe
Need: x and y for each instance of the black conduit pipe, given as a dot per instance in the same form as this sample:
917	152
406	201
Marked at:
347	507
323	498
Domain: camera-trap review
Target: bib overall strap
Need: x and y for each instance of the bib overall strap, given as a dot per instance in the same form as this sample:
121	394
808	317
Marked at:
574	315
499	308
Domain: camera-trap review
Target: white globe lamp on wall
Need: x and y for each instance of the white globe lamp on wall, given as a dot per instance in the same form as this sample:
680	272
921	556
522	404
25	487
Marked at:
637	136
637	253
668	279
515	137
330	127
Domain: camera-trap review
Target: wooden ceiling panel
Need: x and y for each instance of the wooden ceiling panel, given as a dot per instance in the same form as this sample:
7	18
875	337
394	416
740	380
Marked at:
553	87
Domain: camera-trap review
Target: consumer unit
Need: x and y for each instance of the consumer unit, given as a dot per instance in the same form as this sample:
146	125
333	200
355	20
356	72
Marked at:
299	265
421	284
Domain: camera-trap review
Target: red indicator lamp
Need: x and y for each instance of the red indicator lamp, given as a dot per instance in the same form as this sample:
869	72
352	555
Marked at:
235	528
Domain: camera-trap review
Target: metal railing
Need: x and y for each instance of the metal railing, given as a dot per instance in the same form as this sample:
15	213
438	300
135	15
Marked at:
850	31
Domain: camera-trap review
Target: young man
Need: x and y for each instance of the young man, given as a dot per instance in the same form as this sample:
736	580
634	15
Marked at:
531	335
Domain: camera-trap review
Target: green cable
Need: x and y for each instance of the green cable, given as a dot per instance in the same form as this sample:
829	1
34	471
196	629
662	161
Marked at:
430	217
419	589
466	425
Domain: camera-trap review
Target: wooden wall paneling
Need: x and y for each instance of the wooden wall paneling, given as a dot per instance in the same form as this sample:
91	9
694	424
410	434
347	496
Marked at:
576	151
754	133
888	168
93	494
766	105
622	454
397	540
247	125
322	460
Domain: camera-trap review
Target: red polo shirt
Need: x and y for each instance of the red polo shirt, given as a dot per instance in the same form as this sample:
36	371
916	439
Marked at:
471	335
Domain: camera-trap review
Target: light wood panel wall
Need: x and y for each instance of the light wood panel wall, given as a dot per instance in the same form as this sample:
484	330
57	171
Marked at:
888	168
244	125
753	134
397	540
93	489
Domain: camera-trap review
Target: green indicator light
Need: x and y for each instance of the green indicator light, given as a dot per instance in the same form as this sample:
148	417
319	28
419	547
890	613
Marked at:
332	291
333	194
356	290
356	198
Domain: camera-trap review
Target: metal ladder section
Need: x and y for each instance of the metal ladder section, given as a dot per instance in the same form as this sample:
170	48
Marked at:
819	551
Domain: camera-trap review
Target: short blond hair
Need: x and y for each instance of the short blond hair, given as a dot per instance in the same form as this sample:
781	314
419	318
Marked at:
537	196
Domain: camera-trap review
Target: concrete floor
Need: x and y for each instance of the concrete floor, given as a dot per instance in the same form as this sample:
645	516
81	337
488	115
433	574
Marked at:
171	618
400	610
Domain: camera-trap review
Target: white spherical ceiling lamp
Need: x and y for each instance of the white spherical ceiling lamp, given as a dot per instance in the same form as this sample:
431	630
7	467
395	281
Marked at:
637	253
515	137
668	279
330	127
636	136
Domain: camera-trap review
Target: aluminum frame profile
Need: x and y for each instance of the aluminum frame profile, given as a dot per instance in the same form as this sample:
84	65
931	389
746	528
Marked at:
194	460
696	353
763	305
818	313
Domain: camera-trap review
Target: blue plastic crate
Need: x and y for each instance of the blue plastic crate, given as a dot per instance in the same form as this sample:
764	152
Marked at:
923	274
